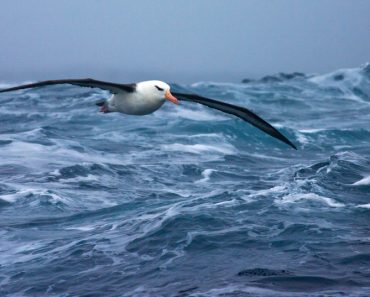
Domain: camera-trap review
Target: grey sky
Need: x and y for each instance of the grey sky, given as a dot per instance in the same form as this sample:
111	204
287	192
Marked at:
182	41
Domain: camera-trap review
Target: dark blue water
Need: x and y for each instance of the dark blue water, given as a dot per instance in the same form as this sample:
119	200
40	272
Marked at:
188	201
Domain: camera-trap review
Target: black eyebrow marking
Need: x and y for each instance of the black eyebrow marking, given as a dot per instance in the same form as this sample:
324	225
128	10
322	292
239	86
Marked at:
159	89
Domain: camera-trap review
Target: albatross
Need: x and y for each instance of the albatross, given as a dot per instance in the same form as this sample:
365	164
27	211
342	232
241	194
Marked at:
147	96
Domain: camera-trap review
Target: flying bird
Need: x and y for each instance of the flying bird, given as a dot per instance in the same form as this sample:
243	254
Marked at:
147	96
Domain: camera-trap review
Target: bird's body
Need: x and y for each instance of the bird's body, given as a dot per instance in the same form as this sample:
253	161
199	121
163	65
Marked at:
139	102
133	104
146	97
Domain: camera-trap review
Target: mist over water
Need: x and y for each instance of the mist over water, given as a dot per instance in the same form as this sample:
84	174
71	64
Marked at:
188	201
182	41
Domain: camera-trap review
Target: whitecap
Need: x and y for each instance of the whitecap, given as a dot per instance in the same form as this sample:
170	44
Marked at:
364	206
238	290
87	178
350	74
274	190
207	84
349	78
208	135
9	197
292	198
363	182
82	228
198	115
302	138
266	157
37	155
311	131
206	175
225	149
113	136
54	198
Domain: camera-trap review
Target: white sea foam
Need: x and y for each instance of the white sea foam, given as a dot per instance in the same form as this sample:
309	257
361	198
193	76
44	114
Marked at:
82	228
37	155
226	149
206	175
32	191
273	190
88	178
239	290
118	136
351	78
363	182
208	135
12	251
302	138
149	224
266	157
199	115
207	84
349	75
364	206
292	198
311	131
9	197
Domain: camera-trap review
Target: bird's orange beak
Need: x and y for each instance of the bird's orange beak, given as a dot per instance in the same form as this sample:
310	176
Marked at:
171	97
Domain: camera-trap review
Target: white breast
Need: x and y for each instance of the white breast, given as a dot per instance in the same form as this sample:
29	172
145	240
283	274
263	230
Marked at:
134	103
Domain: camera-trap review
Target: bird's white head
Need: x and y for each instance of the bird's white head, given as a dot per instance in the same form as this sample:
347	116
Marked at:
156	89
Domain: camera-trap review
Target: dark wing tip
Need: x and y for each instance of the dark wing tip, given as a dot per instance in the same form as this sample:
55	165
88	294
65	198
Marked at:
293	146
86	82
271	131
288	142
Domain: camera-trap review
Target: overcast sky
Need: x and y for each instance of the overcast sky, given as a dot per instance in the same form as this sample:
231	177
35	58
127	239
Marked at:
180	41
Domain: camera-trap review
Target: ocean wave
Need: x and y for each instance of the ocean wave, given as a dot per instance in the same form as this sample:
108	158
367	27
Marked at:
280	77
34	197
139	205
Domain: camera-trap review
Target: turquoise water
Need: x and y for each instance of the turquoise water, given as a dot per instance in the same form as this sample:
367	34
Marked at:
188	201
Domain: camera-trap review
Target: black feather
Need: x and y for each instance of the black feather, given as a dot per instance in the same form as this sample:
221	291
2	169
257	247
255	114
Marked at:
238	111
87	82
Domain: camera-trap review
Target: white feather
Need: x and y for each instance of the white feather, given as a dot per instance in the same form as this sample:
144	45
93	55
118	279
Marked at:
146	99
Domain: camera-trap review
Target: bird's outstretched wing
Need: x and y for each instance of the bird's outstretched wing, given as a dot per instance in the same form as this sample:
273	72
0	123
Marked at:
238	111
87	82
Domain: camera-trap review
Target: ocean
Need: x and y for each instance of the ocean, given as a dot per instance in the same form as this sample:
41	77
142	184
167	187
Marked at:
188	201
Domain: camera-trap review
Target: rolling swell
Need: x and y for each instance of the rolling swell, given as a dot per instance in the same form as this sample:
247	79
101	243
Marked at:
188	201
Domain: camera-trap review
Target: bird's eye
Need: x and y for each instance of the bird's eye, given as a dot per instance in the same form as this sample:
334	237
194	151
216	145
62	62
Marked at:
159	89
